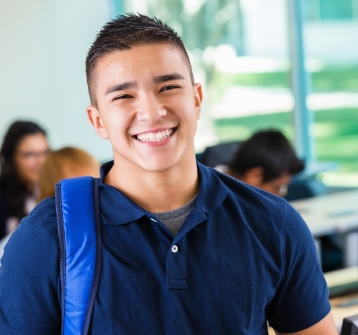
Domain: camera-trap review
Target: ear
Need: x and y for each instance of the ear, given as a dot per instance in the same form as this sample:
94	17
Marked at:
198	97
254	176
96	121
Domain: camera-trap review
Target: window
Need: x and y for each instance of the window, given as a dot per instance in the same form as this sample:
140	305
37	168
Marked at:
324	10
336	9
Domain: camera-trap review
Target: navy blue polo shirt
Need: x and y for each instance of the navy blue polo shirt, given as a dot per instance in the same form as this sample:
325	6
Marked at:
243	256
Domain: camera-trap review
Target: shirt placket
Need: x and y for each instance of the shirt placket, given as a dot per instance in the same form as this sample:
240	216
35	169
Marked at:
177	269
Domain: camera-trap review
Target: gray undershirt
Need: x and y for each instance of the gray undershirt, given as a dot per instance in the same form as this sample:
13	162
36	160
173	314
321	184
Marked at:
175	219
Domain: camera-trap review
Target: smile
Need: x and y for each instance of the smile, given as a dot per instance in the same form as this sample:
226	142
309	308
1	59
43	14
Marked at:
155	137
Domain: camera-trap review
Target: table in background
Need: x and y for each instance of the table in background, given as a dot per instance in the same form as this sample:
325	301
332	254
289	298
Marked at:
333	213
346	304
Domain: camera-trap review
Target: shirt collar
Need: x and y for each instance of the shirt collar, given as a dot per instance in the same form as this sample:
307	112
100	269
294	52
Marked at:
212	191
116	208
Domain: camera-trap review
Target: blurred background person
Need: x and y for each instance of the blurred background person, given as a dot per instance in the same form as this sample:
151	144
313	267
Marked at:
23	151
64	163
266	160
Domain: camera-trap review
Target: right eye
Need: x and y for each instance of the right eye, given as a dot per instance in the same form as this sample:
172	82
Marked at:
124	96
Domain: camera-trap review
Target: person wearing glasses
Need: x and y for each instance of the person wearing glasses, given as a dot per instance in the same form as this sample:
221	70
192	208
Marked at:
22	154
266	160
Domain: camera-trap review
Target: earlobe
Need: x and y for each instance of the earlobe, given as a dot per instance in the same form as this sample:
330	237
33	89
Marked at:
96	121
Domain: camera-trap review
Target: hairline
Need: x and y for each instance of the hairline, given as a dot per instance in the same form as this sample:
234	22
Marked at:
91	70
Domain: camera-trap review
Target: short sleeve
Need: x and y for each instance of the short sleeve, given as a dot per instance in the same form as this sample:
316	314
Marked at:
302	296
29	277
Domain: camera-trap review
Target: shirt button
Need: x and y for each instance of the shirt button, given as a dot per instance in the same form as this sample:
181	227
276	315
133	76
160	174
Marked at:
175	248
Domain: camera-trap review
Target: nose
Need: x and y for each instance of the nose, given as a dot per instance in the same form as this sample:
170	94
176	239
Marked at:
40	157
149	109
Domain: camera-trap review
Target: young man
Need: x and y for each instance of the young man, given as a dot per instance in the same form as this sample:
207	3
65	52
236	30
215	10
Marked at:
266	160
186	249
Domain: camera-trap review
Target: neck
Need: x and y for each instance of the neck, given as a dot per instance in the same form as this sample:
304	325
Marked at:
156	191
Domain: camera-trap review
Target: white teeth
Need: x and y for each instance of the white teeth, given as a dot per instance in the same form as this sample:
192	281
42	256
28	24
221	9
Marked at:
155	137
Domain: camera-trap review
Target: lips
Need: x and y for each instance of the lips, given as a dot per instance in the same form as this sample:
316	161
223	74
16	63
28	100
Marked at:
155	136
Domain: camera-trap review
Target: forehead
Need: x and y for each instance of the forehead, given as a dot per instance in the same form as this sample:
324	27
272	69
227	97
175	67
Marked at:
141	60
32	141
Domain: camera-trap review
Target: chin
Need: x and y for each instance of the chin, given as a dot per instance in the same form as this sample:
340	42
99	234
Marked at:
158	163
157	166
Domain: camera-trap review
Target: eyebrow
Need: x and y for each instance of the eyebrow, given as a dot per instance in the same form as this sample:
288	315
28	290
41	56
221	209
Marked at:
120	87
133	84
167	77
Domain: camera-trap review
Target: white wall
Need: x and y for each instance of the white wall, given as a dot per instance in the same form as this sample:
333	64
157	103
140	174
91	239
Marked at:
43	45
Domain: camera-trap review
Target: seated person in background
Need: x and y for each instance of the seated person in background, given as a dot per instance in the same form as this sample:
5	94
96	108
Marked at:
267	161
67	162
22	154
60	164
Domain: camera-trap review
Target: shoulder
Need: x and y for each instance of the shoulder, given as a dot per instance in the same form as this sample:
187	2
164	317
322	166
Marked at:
46	207
42	219
34	241
261	212
250	197
32	252
235	186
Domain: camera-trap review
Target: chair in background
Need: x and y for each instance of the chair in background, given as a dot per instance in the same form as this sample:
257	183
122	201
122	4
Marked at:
219	154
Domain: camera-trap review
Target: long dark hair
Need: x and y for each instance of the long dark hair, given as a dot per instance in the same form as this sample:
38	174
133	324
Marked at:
15	190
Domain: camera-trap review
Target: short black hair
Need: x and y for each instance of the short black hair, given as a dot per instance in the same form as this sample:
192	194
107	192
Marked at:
126	31
270	150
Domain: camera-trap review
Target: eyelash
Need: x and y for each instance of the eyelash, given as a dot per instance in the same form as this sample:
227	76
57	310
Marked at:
163	89
124	96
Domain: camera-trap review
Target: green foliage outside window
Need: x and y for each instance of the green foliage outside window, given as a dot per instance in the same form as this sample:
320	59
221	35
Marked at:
336	9
330	9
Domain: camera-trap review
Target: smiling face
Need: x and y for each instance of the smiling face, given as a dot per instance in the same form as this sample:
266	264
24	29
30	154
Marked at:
147	107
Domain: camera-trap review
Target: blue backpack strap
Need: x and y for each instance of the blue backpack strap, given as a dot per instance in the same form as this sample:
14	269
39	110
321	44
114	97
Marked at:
77	208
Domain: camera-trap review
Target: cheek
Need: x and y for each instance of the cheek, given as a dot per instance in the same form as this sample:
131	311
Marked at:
27	173
21	166
113	129
116	122
185	111
28	170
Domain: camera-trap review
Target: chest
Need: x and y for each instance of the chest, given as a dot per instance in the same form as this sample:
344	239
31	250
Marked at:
208	277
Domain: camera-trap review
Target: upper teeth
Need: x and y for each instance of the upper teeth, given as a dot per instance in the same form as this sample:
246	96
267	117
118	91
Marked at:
155	137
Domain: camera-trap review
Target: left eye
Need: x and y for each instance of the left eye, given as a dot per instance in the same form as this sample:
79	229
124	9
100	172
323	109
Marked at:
169	87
